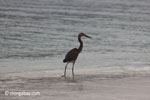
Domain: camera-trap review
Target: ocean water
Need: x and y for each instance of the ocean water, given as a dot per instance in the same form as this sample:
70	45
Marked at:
36	34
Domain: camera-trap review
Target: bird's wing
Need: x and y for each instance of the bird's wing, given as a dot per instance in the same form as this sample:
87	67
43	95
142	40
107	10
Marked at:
72	55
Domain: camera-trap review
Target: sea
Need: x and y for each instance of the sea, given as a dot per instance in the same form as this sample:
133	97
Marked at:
35	35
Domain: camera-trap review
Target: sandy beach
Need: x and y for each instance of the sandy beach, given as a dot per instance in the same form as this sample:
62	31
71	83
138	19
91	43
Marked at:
90	85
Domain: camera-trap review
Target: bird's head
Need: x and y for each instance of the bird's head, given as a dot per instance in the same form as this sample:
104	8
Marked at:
83	34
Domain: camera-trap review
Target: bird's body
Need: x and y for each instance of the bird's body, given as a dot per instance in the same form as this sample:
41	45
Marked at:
72	55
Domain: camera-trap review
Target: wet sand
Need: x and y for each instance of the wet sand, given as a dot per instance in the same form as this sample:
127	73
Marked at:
90	85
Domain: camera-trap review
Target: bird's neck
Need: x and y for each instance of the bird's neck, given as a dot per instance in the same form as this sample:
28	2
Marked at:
81	44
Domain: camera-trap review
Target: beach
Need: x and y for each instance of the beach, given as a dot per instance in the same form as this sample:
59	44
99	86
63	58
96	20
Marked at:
88	85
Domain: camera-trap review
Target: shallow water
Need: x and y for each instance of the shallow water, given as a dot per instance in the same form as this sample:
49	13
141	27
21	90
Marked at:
36	35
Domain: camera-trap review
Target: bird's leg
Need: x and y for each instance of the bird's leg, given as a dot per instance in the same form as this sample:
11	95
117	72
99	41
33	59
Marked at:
65	70
73	70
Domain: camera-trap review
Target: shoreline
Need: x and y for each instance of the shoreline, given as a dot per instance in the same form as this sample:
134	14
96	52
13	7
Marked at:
130	71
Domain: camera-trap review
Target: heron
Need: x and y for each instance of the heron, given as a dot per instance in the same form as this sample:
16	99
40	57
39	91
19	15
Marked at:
72	55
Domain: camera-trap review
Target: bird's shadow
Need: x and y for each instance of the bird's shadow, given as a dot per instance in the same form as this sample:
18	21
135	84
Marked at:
70	80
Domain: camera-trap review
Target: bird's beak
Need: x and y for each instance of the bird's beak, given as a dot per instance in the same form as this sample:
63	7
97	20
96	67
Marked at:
88	36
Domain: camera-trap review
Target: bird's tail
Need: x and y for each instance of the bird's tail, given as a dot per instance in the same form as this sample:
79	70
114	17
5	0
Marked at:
64	60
